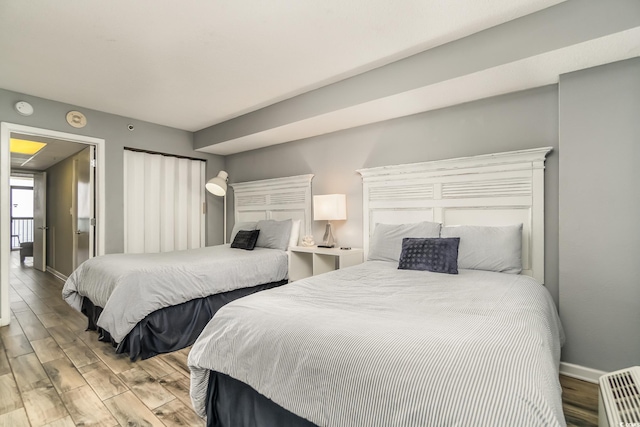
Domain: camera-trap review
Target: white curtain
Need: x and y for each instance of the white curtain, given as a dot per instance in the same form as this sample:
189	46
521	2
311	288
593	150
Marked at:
163	203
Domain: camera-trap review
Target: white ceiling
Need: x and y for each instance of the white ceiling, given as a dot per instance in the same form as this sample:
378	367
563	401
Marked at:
190	64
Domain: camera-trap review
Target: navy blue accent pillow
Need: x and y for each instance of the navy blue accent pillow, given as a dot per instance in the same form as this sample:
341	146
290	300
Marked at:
245	239
438	255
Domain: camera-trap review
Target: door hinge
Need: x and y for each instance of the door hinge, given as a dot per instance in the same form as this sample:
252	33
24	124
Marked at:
93	222
204	207
93	163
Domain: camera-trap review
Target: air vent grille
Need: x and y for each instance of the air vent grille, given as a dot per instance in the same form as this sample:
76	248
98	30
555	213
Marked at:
626	396
621	394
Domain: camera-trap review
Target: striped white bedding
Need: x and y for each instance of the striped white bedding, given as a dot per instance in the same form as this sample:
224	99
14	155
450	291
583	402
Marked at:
375	346
131	286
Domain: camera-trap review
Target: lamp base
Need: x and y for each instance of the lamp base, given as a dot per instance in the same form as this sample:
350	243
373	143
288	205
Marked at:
328	241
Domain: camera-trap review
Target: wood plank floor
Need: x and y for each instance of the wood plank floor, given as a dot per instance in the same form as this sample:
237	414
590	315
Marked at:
54	373
579	402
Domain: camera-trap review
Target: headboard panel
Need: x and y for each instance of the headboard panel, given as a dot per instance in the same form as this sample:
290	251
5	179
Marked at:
495	189
277	198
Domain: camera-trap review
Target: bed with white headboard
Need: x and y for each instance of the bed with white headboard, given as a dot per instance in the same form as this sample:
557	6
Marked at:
495	189
277	199
376	344
176	293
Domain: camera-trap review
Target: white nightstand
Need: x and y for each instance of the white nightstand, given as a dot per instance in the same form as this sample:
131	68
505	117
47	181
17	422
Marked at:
310	261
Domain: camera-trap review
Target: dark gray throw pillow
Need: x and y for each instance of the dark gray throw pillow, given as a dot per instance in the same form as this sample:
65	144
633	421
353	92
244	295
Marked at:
430	254
245	239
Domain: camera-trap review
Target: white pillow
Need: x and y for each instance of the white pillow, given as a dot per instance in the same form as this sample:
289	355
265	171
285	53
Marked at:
274	234
386	242
242	226
488	248
295	233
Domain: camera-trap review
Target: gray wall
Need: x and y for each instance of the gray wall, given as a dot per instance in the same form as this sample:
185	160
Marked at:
147	136
516	121
592	232
59	220
599	237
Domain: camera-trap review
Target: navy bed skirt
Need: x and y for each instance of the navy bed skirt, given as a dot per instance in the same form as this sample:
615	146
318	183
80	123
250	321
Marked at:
232	403
171	328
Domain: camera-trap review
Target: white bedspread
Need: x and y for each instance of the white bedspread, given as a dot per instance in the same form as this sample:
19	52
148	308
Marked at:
375	346
130	286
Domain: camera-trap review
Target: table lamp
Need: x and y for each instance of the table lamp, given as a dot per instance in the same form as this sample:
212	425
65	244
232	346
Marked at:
329	207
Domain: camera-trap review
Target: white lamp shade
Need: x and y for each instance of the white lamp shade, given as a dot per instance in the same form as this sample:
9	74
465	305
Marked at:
218	185
330	207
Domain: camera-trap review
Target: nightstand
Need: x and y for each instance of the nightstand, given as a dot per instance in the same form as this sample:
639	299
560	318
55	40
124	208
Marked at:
310	261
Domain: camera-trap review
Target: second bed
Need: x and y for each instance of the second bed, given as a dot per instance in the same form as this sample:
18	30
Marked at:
147	304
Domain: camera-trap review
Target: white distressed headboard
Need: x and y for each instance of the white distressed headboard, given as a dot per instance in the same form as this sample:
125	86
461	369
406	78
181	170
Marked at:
495	189
277	198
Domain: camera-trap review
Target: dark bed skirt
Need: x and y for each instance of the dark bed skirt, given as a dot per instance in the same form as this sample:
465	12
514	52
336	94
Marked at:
232	403
171	328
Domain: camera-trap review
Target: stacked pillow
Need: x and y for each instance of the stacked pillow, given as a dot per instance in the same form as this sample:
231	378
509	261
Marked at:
386	242
437	255
274	234
488	248
266	234
431	247
245	239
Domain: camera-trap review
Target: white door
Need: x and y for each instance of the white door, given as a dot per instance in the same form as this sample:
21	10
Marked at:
40	221
83	206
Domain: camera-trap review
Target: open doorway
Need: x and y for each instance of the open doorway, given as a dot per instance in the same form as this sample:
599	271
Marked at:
58	229
68	189
21	202
58	235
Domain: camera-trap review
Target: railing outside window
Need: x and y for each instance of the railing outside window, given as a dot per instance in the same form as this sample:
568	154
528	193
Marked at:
21	211
21	231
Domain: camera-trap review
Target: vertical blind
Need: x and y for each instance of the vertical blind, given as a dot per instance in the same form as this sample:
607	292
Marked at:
163	203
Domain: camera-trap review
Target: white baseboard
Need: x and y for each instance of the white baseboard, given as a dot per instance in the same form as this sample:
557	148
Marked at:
57	274
581	372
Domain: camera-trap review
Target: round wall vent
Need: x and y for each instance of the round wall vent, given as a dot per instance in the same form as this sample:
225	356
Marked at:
76	119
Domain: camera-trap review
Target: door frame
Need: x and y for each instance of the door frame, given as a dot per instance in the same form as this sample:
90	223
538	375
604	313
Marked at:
74	208
5	171
39	250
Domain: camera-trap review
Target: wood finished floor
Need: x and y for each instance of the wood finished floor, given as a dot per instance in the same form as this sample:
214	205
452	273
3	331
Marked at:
54	373
579	402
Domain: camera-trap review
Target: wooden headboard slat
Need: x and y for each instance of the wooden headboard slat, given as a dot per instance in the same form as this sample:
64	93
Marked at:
276	198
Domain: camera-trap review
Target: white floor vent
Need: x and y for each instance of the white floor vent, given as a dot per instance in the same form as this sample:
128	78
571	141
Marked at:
620	398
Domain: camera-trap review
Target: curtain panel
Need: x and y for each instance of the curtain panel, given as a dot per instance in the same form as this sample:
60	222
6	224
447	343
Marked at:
163	203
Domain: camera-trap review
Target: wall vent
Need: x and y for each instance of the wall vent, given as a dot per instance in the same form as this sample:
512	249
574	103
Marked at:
619	403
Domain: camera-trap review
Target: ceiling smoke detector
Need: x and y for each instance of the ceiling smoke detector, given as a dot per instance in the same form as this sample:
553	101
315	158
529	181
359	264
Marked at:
24	108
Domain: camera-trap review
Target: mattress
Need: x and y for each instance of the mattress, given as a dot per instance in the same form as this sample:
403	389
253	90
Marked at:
377	346
129	287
